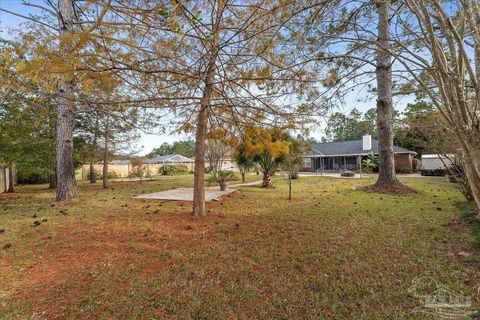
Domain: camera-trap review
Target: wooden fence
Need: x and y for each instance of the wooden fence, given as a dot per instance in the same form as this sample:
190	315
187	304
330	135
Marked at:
124	170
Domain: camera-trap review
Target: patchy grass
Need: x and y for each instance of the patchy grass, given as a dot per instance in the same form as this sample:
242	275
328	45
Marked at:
333	252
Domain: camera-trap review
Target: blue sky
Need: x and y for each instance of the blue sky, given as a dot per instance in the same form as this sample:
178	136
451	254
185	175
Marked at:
150	141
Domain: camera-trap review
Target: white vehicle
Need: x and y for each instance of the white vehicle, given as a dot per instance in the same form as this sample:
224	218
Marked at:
435	164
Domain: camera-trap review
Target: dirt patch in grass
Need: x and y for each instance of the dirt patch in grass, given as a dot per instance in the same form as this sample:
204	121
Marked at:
74	261
396	189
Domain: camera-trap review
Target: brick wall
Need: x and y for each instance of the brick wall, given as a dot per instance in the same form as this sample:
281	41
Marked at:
404	161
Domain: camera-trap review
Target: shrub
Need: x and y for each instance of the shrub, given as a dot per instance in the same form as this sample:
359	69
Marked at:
174	169
32	176
113	175
226	175
404	170
136	173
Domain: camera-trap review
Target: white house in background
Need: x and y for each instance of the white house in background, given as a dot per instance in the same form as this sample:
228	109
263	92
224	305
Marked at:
120	162
169	159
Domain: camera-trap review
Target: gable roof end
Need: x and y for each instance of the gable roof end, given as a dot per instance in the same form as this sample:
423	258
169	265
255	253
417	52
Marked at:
170	158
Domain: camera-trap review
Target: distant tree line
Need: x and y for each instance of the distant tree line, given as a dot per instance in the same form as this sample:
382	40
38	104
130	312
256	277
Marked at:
184	147
417	128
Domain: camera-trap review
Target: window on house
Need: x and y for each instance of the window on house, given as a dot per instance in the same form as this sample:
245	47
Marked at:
307	162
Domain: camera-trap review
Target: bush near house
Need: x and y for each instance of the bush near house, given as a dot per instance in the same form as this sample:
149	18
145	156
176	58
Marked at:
173	169
404	170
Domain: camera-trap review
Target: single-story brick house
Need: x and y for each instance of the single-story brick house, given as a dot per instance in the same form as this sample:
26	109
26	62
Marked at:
348	155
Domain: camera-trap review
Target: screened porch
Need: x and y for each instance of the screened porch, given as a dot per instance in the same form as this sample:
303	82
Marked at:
337	163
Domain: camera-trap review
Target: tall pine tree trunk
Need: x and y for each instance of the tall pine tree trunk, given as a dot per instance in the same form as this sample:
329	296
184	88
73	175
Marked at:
11	179
52	181
93	174
105	154
66	185
202	122
386	168
199	170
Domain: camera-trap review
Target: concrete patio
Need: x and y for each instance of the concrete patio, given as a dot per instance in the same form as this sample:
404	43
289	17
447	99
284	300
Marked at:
185	194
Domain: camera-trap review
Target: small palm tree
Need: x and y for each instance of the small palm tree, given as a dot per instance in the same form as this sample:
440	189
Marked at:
223	176
243	160
370	163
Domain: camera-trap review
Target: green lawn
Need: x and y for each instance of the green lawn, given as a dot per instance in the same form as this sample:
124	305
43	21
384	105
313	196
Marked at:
333	252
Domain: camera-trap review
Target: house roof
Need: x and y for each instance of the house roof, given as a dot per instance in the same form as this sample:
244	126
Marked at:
354	147
120	162
170	158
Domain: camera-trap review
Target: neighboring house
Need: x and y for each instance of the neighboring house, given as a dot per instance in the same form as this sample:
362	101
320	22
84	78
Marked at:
169	159
154	166
348	155
120	162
